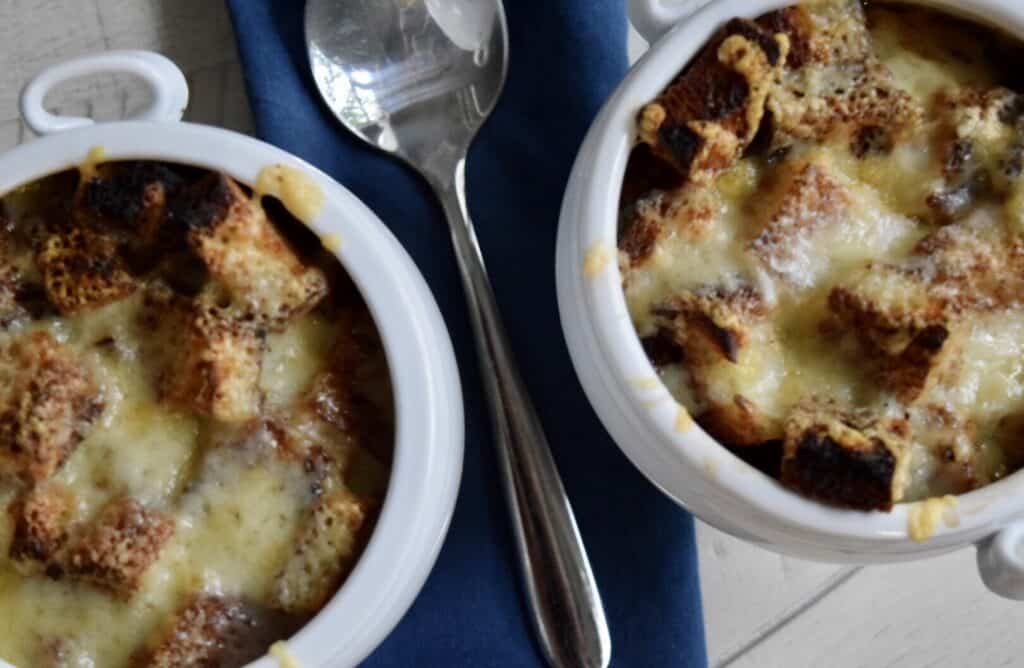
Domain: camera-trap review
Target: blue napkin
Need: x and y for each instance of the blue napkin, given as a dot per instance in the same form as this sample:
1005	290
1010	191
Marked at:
567	57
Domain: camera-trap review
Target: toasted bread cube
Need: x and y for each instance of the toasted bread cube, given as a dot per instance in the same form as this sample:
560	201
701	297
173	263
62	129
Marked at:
201	632
326	549
114	550
218	367
48	402
82	270
834	84
887	305
9	283
726	347
846	458
41	519
690	211
246	254
810	198
132	197
702	122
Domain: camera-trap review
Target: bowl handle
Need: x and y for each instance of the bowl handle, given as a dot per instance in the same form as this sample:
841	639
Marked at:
653	18
165	80
1001	562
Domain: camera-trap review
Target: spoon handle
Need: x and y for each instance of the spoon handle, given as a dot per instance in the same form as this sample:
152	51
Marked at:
566	607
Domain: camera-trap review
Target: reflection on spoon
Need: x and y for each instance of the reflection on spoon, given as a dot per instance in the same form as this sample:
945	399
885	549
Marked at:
467	23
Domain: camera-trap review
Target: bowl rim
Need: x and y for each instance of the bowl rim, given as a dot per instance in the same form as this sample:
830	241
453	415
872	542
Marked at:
590	210
427	465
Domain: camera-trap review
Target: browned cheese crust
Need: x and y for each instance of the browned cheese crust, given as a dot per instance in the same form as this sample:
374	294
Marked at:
115	549
46	409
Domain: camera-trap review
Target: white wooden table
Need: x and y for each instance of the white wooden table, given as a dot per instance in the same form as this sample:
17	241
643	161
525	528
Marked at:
762	610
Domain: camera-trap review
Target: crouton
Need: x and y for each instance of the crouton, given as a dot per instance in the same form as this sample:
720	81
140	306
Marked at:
982	149
114	550
853	459
48	402
724	344
326	549
689	212
810	199
903	323
217	369
201	631
834	85
705	119
888	305
245	253
82	270
132	198
41	519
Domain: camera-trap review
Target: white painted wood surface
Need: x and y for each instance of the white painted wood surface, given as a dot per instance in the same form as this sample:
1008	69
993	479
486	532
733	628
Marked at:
762	610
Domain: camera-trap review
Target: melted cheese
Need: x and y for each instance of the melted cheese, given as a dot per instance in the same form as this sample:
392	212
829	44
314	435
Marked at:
299	193
876	212
236	502
923	518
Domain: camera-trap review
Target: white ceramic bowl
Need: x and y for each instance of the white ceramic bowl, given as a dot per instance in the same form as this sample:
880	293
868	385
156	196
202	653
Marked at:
638	410
428	401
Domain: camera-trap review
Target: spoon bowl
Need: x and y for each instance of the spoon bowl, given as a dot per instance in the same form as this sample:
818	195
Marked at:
416	79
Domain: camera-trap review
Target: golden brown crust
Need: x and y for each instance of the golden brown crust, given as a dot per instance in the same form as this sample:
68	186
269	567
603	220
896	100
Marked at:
246	254
702	122
41	521
117	547
326	549
82	270
217	370
846	458
836	86
46	408
713	329
739	423
199	634
810	198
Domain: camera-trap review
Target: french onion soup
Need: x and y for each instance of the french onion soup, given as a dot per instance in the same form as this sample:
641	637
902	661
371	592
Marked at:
821	248
195	418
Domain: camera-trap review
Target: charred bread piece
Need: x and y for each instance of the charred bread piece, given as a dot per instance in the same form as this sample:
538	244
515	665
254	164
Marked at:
982	150
41	522
131	197
246	254
833	83
689	211
724	342
327	547
82	270
705	119
902	324
853	459
114	550
48	402
217	369
810	198
201	632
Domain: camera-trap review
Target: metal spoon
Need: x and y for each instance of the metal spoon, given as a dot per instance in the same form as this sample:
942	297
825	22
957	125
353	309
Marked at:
417	78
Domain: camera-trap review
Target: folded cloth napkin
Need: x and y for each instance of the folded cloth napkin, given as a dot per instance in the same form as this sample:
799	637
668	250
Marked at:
566	57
